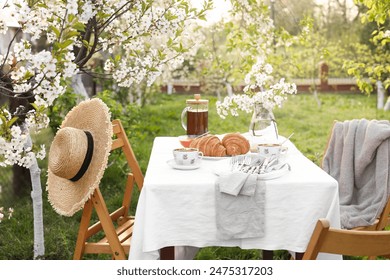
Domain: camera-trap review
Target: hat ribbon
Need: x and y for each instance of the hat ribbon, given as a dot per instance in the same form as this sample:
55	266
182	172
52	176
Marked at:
87	158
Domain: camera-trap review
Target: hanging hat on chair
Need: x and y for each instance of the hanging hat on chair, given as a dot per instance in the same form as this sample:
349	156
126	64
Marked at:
78	156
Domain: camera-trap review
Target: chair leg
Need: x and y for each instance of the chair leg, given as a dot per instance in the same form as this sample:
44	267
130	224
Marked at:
84	224
108	228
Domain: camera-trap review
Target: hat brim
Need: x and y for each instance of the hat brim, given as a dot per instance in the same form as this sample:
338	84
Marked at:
65	196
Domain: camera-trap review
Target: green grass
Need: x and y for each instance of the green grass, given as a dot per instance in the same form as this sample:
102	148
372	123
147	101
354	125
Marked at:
300	114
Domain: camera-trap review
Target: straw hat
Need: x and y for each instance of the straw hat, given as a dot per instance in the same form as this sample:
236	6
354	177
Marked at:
78	156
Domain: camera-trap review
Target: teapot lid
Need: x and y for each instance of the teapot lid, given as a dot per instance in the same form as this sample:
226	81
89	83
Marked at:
197	100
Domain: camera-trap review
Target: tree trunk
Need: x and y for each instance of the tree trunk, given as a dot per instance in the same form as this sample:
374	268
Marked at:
315	93
387	105
229	89
78	86
169	88
139	94
36	195
380	95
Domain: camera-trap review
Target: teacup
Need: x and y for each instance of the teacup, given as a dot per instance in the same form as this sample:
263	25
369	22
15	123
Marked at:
271	149
187	156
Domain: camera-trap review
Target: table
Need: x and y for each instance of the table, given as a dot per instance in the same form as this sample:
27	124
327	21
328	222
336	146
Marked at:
177	207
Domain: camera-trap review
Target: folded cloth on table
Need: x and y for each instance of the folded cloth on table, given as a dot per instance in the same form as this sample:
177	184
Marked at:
239	206
238	183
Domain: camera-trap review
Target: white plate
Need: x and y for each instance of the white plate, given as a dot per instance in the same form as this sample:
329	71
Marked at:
225	157
275	173
173	164
215	158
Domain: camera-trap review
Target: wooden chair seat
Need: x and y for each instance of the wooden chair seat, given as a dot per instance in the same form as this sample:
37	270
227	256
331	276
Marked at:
124	233
347	242
115	227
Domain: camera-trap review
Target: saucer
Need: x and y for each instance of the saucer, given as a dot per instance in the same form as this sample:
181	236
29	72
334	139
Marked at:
173	164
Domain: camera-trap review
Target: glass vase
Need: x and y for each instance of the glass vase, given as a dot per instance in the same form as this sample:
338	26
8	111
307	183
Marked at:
262	127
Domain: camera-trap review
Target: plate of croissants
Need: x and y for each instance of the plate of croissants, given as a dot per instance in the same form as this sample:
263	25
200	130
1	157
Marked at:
214	147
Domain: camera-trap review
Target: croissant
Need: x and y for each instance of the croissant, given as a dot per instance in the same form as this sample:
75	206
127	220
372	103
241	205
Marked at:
235	144
209	145
201	144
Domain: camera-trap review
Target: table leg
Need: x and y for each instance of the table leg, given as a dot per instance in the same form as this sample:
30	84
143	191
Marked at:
167	253
268	255
299	256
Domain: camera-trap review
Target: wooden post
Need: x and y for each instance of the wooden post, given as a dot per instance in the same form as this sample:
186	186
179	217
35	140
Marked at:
324	73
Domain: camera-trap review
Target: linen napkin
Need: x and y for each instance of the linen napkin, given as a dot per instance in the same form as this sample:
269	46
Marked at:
240	202
238	183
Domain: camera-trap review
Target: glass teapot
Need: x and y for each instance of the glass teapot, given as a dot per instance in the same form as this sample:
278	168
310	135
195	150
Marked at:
197	113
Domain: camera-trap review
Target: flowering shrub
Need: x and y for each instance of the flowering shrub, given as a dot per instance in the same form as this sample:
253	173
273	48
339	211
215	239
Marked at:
259	88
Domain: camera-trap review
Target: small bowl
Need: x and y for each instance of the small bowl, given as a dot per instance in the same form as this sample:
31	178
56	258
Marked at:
185	141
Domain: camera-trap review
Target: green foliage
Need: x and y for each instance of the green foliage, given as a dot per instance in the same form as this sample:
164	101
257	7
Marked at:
61	106
311	126
130	116
6	124
372	66
128	113
378	10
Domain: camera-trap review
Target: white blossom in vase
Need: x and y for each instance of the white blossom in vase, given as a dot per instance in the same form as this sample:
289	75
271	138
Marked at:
259	88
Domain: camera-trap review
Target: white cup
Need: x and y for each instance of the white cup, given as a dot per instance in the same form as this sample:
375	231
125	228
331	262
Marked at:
187	156
271	149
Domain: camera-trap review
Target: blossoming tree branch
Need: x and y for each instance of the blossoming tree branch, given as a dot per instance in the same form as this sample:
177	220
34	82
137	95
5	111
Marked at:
138	38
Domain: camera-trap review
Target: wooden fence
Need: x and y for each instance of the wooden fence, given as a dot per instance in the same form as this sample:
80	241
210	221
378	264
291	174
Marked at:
323	83
303	85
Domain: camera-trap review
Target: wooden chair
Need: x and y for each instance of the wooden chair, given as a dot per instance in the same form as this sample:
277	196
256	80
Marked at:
347	242
116	227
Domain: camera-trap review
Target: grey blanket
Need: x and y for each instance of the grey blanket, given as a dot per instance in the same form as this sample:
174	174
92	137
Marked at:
240	202
358	158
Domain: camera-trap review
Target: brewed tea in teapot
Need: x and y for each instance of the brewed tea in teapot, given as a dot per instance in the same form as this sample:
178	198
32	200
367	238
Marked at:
197	113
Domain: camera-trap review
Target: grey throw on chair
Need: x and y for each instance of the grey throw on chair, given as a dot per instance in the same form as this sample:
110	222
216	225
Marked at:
358	157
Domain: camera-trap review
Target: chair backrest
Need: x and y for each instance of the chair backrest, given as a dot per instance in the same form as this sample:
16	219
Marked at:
122	142
347	242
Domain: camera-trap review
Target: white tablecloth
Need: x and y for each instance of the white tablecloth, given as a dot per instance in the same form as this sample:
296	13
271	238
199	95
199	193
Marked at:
177	207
